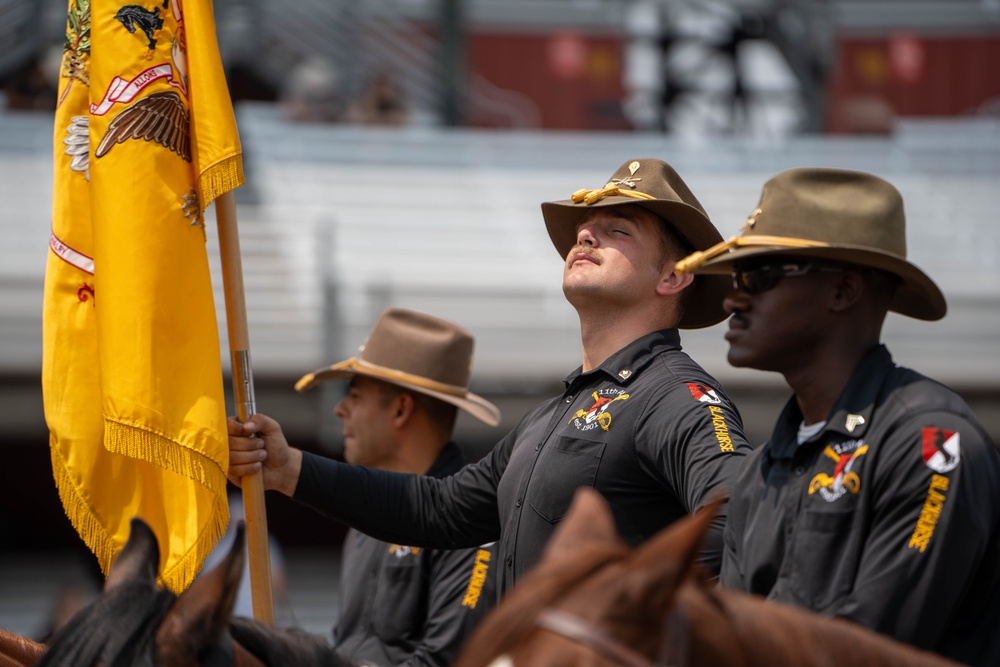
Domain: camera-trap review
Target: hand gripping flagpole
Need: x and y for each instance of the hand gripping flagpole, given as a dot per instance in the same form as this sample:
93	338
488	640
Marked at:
239	346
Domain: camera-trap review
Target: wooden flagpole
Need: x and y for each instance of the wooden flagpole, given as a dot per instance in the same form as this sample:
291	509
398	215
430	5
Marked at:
258	550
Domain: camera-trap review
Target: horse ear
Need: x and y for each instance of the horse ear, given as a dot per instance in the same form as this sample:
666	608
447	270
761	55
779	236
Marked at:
201	614
139	559
666	559
589	521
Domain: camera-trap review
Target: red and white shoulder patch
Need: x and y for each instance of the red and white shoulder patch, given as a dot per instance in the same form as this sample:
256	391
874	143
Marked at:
703	393
940	448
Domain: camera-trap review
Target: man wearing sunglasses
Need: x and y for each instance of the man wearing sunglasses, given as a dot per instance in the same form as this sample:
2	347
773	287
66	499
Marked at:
877	497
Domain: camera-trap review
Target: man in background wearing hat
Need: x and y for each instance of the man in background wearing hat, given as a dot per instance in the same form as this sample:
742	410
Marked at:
877	497
400	604
639	421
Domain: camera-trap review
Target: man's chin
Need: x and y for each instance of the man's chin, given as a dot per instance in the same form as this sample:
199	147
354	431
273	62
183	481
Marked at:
577	290
738	359
743	359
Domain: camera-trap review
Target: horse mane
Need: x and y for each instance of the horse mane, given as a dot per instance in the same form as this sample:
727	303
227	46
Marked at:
117	629
510	623
290	646
803	633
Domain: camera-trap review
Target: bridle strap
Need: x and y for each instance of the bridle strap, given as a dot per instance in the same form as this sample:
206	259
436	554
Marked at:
575	628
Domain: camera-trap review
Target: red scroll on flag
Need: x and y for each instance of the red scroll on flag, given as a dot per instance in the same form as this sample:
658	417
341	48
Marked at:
145	139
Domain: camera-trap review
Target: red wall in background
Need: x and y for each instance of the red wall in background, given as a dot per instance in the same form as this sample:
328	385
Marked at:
573	78
876	79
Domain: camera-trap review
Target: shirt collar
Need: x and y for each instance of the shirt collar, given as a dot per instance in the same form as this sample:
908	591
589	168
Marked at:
448	461
851	414
626	363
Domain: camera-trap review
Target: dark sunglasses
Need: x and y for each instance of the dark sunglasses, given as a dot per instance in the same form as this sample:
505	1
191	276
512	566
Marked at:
762	277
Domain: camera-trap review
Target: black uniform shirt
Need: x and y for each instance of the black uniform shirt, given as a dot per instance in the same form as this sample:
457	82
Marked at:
649	429
403	605
889	516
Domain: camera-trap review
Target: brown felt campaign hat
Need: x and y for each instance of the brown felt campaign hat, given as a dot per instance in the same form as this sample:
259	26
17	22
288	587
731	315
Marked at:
419	352
833	214
653	185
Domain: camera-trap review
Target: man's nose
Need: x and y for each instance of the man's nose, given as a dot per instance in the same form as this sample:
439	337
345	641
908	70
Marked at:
585	237
736	301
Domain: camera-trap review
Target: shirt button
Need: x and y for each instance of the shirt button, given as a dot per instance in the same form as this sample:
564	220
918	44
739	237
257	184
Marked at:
569	399
518	503
800	471
537	447
510	561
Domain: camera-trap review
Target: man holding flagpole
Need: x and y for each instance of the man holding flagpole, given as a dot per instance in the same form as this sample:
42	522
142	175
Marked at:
145	139
639	420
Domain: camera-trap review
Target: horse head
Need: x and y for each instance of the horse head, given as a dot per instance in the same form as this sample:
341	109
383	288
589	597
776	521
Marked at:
592	600
195	630
136	622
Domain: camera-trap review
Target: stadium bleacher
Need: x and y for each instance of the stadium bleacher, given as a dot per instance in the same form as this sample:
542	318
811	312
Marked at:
338	222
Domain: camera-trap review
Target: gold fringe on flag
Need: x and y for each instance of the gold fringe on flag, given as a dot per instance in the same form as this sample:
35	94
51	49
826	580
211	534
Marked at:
132	368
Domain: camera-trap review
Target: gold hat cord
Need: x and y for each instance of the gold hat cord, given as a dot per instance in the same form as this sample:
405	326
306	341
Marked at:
698	259
610	190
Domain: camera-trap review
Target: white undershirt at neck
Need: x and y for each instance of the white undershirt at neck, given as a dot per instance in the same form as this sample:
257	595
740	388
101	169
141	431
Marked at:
807	431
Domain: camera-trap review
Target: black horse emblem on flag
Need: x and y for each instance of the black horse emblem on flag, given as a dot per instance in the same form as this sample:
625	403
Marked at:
149	21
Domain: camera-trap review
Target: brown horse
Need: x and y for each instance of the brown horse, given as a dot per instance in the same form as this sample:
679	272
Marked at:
137	623
592	600
18	651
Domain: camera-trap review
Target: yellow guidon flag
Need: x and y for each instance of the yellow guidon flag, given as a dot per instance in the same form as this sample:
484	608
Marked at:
145	139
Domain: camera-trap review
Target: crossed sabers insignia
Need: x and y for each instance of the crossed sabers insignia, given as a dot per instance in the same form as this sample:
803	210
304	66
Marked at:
630	181
842	473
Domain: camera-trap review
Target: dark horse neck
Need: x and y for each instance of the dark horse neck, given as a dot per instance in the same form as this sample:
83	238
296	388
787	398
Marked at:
739	629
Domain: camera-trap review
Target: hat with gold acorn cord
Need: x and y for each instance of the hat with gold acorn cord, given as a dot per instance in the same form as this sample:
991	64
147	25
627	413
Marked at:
656	186
418	352
833	214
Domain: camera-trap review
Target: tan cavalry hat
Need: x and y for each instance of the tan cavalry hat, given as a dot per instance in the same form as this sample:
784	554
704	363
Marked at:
418	352
833	214
653	185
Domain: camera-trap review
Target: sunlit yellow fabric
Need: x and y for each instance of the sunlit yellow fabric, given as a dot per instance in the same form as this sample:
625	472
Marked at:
144	139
